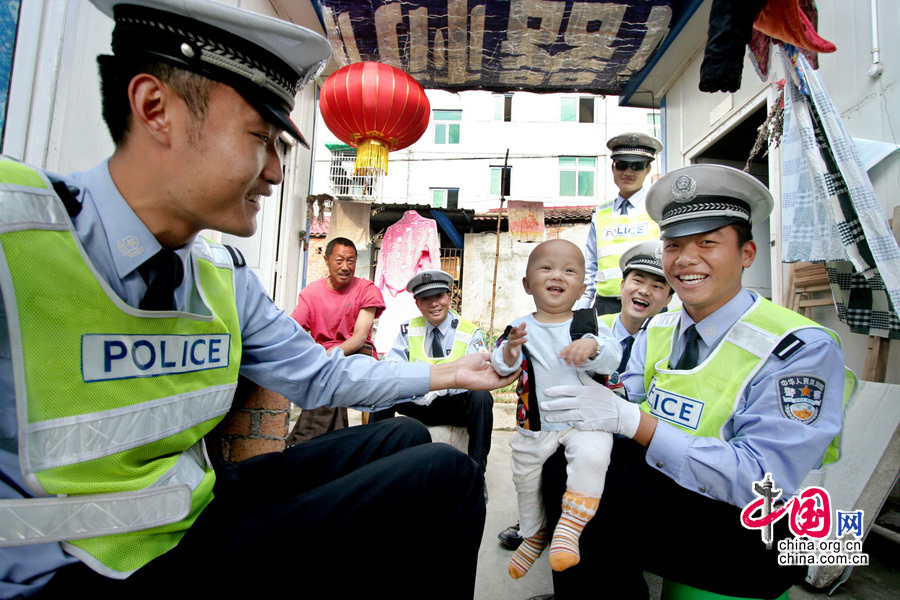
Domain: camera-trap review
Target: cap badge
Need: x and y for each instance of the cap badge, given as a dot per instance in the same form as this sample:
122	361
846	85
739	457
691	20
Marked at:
657	254
426	277
633	139
684	189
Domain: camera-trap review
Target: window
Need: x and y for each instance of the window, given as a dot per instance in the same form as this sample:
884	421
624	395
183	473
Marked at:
497	179
577	109
503	107
444	197
446	131
576	175
340	174
653	124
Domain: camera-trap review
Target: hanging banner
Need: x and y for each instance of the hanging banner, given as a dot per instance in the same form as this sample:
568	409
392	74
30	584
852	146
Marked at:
532	45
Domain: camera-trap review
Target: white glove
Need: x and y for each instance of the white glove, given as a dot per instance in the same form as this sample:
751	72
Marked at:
591	409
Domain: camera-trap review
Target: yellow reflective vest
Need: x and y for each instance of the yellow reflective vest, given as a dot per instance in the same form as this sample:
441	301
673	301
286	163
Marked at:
615	235
113	401
416	336
682	398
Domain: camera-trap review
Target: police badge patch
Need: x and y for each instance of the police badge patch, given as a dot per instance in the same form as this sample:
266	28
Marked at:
800	397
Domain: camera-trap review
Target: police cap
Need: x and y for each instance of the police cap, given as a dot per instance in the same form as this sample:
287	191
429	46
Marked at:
700	198
646	256
266	60
429	283
633	146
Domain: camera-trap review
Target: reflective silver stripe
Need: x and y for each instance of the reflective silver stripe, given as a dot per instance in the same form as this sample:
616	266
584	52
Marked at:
71	440
216	253
23	208
614	249
607	274
188	470
666	319
752	339
40	520
462	336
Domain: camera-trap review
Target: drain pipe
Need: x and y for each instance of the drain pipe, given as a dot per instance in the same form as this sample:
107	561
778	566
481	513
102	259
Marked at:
876	68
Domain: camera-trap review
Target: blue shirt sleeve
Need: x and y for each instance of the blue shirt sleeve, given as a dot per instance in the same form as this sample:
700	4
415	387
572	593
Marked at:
590	266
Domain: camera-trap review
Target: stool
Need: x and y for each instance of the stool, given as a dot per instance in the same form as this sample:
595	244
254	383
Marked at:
457	437
672	590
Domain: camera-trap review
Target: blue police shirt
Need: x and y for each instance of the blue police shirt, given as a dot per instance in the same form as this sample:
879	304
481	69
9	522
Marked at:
277	353
759	438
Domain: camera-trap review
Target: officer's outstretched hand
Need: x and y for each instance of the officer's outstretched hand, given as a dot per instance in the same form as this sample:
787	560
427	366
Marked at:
471	372
591	408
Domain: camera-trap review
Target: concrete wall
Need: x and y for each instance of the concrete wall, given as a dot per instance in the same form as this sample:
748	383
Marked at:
511	300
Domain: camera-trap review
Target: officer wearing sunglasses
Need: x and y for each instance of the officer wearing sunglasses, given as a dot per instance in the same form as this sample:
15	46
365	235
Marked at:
619	224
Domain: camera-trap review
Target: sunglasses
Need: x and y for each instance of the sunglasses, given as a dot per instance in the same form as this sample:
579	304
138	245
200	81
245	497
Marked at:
621	165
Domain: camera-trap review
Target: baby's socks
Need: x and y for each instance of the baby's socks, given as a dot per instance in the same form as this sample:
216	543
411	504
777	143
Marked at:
527	552
577	510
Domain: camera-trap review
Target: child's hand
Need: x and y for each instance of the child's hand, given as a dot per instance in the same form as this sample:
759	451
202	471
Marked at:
579	352
514	341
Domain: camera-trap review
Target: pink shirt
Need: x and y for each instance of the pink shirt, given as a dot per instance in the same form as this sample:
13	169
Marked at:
330	315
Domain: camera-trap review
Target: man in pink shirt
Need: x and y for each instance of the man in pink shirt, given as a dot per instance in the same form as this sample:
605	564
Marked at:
338	312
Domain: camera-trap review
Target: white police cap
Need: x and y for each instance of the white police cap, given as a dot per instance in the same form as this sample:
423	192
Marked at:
429	283
267	60
633	146
700	198
646	256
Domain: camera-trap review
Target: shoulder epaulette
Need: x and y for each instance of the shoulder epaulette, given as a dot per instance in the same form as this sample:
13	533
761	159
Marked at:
787	346
69	197
236	257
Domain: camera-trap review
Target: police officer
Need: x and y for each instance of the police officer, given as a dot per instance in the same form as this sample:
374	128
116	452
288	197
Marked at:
617	225
731	388
436	336
644	291
123	334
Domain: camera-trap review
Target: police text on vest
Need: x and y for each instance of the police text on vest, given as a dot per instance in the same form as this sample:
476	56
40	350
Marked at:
118	356
674	408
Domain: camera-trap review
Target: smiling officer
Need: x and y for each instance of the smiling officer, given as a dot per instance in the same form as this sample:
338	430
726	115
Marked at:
122	335
733	387
618	225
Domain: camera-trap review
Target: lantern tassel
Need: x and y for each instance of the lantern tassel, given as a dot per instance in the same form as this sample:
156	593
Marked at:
371	157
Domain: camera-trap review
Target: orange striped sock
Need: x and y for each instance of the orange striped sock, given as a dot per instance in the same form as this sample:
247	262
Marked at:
577	510
527	552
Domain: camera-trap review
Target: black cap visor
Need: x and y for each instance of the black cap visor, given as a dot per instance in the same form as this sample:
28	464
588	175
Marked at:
695	226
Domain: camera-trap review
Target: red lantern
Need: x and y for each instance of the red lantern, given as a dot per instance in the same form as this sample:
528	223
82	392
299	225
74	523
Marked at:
375	108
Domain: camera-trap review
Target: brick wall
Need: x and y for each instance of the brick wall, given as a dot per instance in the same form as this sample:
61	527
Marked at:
257	423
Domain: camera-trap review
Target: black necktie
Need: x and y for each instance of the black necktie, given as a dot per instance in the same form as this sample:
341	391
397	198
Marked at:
163	274
691	354
624	208
626	354
437	349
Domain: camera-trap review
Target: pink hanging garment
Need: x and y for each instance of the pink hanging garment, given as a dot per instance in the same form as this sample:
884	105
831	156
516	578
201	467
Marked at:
410	245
